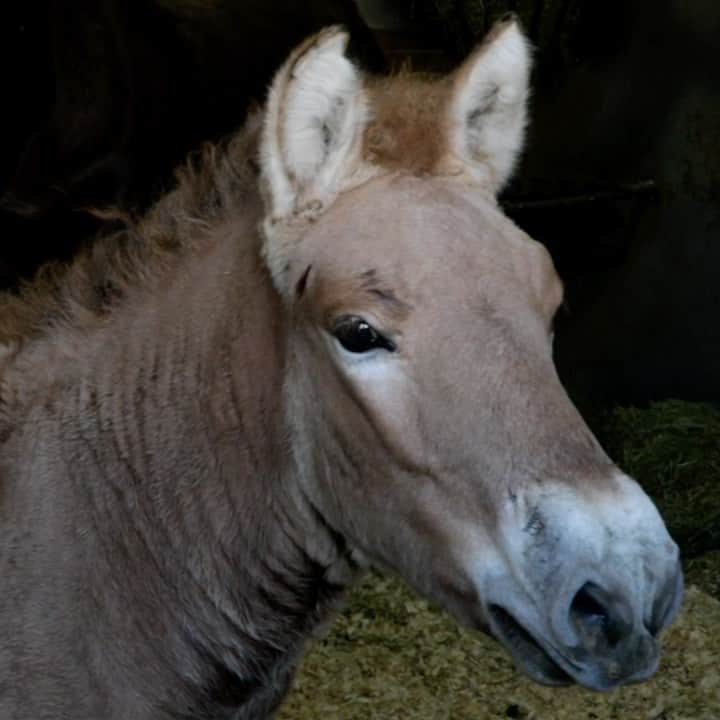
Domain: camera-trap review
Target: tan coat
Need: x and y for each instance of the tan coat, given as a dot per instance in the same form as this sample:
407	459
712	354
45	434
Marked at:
214	420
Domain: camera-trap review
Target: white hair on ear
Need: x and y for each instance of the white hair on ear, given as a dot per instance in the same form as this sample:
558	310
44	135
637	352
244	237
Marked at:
489	105
314	111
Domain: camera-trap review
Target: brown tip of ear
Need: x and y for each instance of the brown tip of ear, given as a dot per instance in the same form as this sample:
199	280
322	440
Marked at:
329	33
500	26
508	18
505	22
323	37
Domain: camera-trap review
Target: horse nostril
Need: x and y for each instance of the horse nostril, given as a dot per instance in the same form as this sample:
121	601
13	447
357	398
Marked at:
600	618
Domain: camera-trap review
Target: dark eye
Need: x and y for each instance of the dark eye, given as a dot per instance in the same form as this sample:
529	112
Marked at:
358	336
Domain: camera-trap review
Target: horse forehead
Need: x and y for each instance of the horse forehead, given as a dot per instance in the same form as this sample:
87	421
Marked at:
396	219
409	199
420	231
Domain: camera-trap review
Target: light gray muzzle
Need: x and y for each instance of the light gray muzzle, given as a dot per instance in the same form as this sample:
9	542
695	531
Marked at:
582	590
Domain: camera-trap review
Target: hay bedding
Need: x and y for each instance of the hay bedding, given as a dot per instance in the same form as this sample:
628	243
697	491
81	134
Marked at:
392	656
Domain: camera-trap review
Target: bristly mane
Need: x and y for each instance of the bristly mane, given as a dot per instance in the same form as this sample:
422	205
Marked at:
214	182
217	180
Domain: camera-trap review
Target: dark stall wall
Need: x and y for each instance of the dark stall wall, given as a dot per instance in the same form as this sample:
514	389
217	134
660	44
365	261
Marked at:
103	98
645	325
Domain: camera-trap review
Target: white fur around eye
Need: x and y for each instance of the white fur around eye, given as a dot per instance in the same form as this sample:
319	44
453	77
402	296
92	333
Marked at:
352	358
377	372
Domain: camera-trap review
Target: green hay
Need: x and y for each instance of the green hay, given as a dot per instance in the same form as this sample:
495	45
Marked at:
704	571
673	449
391	656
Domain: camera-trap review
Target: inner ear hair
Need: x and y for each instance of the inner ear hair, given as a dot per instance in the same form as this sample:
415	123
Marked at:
488	109
314	110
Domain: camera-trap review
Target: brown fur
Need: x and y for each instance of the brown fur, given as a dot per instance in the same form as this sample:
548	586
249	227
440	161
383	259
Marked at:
211	183
409	123
407	130
202	647
193	469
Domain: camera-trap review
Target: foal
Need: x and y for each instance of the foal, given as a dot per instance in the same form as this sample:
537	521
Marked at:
326	348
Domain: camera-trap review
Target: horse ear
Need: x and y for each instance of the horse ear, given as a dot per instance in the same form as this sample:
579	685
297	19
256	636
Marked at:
488	106
314	110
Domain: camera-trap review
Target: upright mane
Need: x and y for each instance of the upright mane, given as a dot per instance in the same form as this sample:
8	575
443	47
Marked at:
214	182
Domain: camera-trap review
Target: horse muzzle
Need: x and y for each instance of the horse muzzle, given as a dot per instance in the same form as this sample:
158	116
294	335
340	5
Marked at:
579	590
597	643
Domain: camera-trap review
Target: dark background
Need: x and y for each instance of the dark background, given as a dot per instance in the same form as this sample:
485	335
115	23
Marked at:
621	177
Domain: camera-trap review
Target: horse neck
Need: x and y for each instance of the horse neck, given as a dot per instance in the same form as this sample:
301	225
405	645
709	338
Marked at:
185	378
188	381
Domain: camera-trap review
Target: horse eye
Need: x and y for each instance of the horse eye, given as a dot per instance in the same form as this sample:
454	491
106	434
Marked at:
358	336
